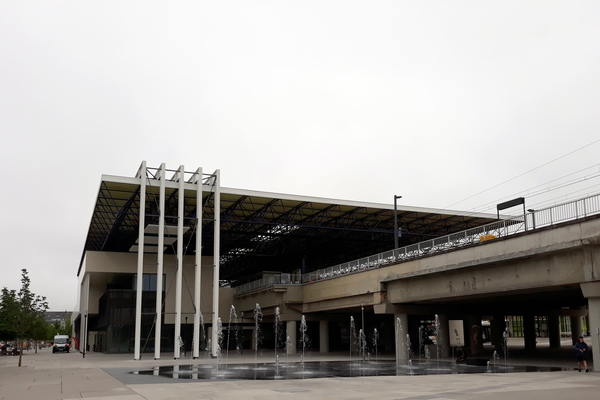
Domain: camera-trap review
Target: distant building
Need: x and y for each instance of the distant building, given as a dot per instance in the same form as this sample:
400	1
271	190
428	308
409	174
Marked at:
57	316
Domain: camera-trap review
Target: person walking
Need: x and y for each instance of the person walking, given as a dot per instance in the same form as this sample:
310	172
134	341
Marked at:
582	349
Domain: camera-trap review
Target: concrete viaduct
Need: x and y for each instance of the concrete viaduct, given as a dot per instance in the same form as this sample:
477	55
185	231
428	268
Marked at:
552	271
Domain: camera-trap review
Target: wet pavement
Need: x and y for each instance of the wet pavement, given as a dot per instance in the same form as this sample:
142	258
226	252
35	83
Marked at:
98	376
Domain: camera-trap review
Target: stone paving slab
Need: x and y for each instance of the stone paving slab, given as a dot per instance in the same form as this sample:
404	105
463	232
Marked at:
47	376
547	385
70	376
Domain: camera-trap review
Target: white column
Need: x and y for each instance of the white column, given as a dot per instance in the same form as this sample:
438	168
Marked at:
291	333
198	271
179	275
216	255
160	259
323	336
140	263
401	351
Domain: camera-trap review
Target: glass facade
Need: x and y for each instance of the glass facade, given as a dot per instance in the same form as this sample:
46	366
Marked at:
115	323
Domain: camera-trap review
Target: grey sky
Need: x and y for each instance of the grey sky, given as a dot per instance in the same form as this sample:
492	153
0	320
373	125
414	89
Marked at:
361	100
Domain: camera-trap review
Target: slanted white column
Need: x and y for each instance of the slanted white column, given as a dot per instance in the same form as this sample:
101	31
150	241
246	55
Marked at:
140	262
179	275
323	336
198	259
291	333
161	175
216	256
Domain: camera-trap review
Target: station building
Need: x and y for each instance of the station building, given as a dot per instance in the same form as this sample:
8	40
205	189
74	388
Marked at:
172	260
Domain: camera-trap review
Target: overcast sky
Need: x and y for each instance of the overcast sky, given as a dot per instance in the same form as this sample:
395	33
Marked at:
437	101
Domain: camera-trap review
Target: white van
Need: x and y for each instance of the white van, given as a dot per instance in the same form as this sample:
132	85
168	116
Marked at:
61	343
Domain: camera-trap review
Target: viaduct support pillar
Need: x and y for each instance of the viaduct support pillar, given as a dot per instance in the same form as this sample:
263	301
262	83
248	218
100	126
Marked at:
498	327
324	336
554	331
576	328
529	333
475	335
592	292
444	336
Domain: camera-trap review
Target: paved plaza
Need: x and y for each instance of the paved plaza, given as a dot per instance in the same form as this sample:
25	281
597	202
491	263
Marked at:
47	376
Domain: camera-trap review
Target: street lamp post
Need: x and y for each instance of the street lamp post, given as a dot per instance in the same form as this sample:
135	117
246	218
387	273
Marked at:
396	221
84	336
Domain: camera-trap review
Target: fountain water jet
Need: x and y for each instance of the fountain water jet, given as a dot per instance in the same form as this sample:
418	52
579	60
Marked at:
505	346
219	341
257	338
421	341
303	336
232	316
288	347
353	338
362	343
407	344
375	339
277	331
437	340
399	335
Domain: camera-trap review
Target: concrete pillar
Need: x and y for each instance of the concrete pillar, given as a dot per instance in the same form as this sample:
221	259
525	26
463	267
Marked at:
592	292
324	336
475	335
443	339
529	333
594	326
291	327
554	331
401	330
576	328
498	325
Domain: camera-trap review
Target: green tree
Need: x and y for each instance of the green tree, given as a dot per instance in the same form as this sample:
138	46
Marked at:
60	329
8	307
21	312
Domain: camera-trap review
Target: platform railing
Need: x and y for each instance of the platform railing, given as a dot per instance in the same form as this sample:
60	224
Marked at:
269	281
480	235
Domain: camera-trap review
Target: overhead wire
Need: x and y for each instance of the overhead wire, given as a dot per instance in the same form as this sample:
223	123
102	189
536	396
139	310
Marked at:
531	195
528	191
524	173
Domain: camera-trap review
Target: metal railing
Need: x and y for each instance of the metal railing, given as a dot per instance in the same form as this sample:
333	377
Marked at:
480	235
269	281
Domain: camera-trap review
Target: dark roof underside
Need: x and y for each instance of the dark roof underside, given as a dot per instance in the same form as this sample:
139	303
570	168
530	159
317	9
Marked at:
260	233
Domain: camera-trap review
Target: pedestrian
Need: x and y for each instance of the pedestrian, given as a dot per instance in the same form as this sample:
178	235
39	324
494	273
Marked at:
582	349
